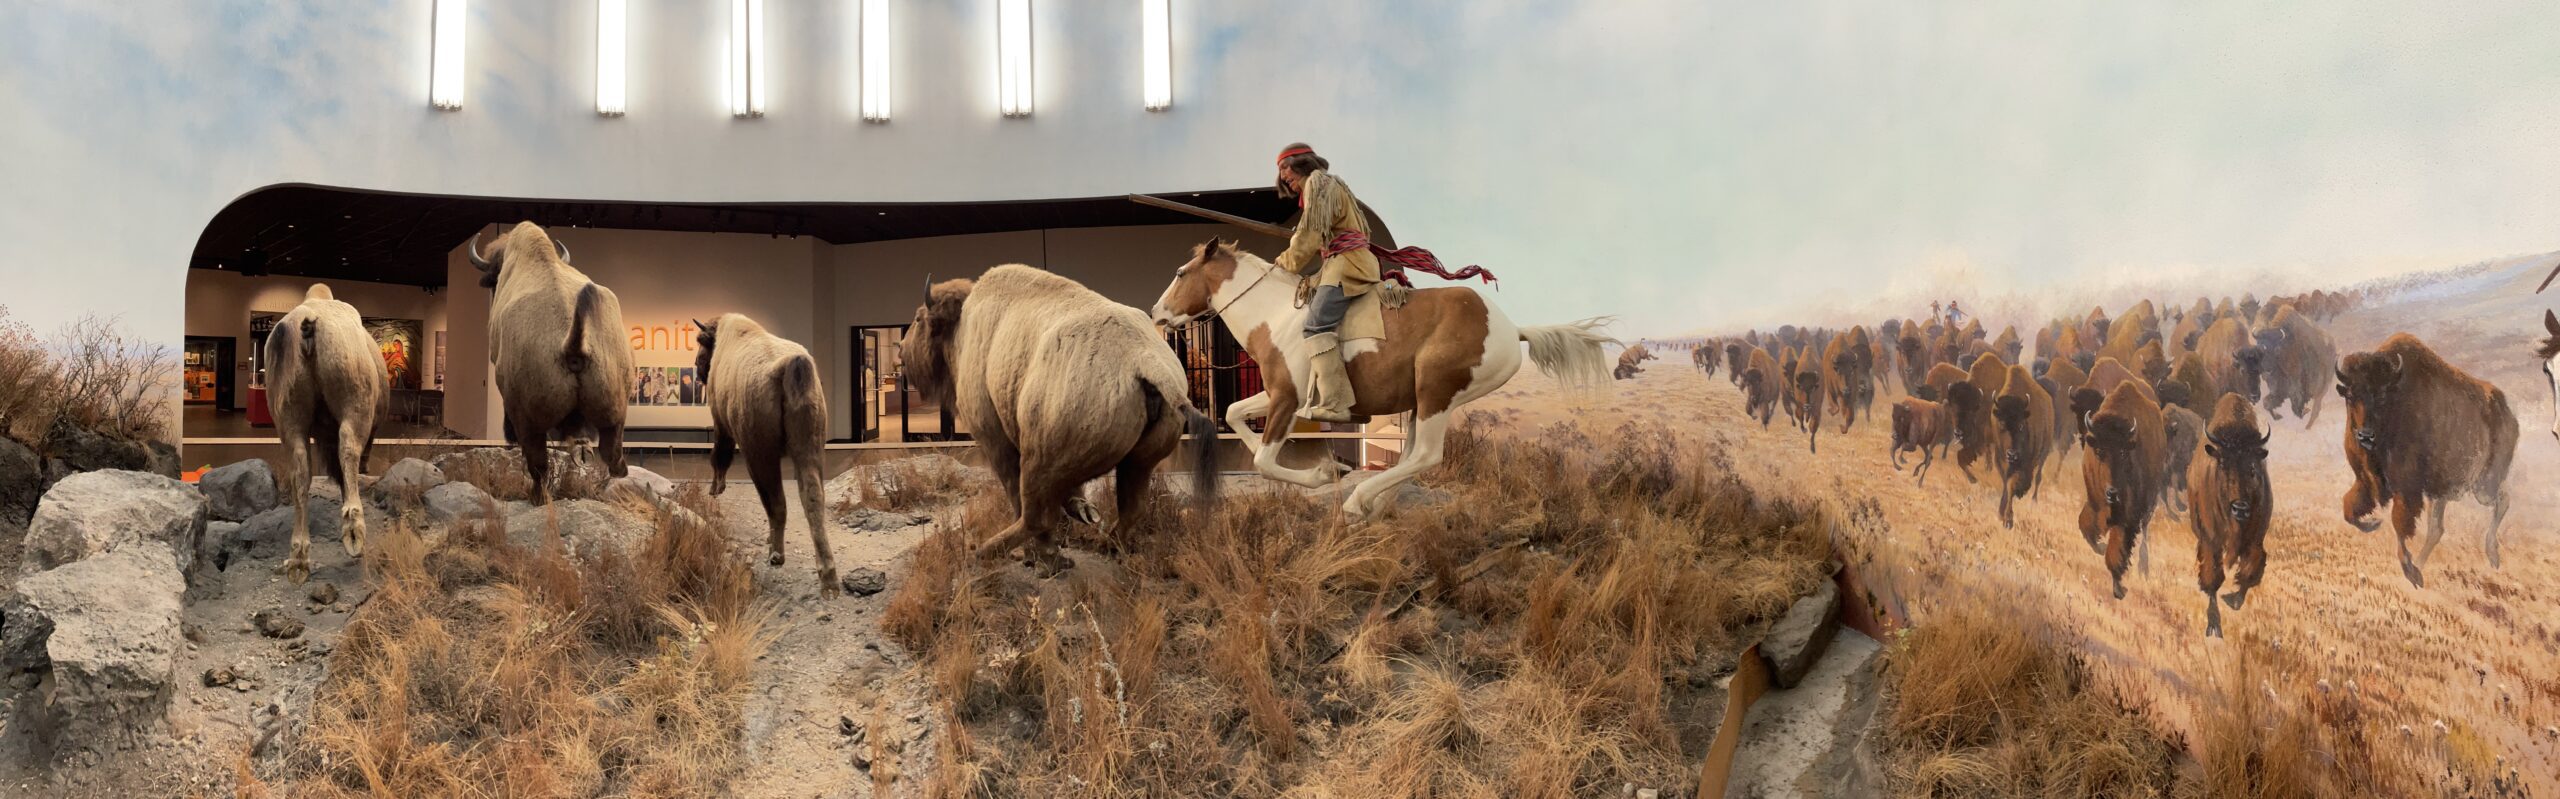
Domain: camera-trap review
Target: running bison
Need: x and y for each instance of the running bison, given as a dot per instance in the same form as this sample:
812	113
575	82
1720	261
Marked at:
2121	472
2022	426
1922	426
2419	429
2231	503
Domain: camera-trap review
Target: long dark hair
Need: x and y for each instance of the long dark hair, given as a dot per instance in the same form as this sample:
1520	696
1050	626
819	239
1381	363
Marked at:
1304	164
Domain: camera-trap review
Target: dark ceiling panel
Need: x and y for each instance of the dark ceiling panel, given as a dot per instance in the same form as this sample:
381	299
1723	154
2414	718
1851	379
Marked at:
343	234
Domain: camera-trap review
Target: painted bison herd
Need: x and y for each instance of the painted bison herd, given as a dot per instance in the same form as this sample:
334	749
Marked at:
2166	408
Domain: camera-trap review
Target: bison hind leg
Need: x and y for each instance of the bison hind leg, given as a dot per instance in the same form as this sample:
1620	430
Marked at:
765	468
2212	617
2497	516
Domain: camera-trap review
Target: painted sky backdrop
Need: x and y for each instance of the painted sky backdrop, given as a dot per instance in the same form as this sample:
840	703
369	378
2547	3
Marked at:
1688	165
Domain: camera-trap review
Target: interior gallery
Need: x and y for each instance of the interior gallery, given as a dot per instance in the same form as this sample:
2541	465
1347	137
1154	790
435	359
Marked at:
844	279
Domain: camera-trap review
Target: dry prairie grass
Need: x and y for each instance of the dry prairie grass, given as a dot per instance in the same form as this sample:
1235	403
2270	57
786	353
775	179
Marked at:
481	668
1981	705
1540	633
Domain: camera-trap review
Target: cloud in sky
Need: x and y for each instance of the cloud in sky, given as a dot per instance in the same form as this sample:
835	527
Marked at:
1691	165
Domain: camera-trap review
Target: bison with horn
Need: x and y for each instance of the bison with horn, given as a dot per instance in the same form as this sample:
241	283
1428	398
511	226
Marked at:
766	402
326	385
1059	386
557	349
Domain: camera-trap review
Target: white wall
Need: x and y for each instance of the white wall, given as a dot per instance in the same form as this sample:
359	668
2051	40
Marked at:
219	303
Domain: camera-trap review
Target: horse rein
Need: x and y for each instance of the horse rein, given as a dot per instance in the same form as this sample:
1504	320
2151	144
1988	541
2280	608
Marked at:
1248	289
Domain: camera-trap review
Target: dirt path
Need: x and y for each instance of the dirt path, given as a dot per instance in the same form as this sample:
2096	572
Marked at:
2476	649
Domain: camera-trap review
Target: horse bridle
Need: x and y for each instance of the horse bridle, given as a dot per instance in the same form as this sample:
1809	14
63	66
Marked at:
1248	289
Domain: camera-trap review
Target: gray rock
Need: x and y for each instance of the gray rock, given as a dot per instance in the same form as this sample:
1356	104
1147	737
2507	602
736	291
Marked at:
453	501
275	623
1811	740
876	521
92	513
324	593
163	459
240	490
21	482
112	647
216	548
644	482
585	526
83	450
270	534
1799	637
865	581
408	478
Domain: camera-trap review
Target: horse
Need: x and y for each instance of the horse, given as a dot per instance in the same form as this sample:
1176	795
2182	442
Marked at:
1444	348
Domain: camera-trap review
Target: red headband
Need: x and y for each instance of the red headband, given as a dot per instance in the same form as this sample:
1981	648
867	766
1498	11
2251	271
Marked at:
1294	151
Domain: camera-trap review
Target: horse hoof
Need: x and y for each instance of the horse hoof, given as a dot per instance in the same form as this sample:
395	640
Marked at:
2410	571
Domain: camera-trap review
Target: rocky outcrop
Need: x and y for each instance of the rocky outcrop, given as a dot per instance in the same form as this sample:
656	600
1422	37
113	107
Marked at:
1799	637
21	482
93	513
240	490
270	534
109	626
586	526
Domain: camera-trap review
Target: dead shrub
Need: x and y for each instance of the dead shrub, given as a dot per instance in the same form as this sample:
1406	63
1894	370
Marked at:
90	375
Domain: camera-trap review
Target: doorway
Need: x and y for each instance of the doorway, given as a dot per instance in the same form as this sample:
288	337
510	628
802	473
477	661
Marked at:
886	407
210	365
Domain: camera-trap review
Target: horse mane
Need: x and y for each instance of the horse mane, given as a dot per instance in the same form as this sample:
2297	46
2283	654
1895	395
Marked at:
2550	347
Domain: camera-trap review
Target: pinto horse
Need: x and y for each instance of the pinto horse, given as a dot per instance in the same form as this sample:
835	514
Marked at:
1444	348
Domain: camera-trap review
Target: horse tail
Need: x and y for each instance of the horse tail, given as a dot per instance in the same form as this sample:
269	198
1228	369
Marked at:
573	355
1200	442
1571	352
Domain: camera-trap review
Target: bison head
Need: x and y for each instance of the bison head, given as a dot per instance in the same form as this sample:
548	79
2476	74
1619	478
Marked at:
2239	452
1926	392
2270	339
2249	367
703	341
2172	392
1964	401
2085	401
1809	384
2110	438
2369	381
495	262
2040	367
2085	360
2010	412
926	351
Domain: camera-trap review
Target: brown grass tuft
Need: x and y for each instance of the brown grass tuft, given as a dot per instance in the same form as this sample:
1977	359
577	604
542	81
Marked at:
482	668
1526	637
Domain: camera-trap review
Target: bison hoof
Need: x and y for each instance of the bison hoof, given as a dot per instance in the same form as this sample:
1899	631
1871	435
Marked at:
2119	590
718	486
1083	511
1050	566
2366	525
2213	628
2236	598
828	586
297	570
774	557
2410	570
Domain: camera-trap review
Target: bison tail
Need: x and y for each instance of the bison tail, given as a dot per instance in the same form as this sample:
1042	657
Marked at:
310	334
797	383
1571	352
573	355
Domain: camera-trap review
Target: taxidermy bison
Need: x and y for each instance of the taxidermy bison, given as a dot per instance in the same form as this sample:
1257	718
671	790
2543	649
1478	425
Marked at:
557	350
766	404
1059	386
2419	429
325	386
